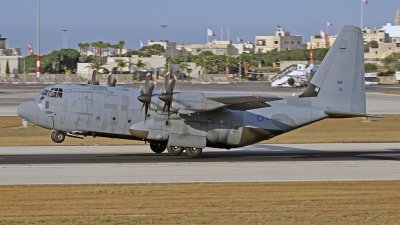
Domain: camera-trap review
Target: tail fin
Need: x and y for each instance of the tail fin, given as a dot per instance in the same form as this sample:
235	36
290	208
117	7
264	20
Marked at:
339	82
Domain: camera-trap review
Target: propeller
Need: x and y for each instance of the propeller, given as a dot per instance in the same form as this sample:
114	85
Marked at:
94	79
169	91
111	80
145	96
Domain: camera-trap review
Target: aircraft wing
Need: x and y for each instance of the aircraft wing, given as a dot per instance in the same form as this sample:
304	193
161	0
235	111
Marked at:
244	101
279	74
342	114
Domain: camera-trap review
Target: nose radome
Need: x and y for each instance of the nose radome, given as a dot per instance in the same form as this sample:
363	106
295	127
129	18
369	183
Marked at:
29	111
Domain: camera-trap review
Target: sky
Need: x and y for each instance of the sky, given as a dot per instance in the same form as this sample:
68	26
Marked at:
187	21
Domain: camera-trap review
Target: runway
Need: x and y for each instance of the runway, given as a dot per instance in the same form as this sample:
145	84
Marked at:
256	163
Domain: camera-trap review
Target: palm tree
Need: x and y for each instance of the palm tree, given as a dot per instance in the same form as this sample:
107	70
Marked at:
121	63
121	46
96	65
229	62
139	65
203	63
183	67
115	48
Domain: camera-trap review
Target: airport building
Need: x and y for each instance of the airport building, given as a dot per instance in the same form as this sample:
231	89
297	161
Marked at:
388	39
317	41
218	47
12	55
282	41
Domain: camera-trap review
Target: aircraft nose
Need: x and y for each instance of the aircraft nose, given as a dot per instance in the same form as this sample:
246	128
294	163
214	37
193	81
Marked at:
29	111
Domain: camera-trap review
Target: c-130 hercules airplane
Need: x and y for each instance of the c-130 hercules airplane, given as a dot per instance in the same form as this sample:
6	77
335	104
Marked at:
191	121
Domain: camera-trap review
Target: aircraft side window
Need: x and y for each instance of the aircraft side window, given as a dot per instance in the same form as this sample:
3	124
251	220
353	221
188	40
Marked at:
46	105
44	92
59	95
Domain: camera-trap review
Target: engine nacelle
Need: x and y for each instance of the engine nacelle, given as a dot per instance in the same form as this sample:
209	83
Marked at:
193	102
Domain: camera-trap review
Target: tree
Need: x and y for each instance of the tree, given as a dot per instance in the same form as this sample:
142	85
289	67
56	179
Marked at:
121	46
369	67
97	65
7	68
122	63
183	67
230	62
392	63
55	58
19	66
150	50
115	48
70	58
177	59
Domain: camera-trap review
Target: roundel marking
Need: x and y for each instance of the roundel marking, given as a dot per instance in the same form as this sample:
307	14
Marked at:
260	118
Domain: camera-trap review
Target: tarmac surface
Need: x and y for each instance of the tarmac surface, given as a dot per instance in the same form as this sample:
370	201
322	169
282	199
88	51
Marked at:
137	164
256	163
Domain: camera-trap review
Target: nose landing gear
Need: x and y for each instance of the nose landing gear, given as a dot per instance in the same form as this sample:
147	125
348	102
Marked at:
58	136
158	147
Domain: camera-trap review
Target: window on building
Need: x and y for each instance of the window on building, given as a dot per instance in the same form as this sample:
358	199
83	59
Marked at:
221	51
376	52
279	34
390	48
292	42
276	42
380	40
298	42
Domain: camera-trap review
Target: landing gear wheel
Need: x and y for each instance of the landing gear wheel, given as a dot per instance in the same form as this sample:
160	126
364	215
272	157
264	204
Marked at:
58	136
175	150
158	147
193	152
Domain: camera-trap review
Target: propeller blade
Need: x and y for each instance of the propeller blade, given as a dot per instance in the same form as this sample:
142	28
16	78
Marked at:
114	82
167	81
94	77
172	85
147	81
141	90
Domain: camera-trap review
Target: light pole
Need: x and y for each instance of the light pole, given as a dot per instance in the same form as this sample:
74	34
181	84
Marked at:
38	41
163	28
64	38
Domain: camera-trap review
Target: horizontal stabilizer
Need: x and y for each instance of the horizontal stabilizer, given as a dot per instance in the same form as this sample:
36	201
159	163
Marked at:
341	114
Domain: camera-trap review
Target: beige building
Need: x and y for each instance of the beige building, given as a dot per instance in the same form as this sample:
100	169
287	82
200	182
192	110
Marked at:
375	34
388	39
12	55
317	41
170	48
281	41
217	47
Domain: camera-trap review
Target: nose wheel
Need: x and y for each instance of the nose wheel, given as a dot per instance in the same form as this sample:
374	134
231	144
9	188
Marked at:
58	136
158	147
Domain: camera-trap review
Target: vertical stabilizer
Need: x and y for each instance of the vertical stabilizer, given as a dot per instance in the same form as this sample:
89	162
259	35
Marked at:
339	82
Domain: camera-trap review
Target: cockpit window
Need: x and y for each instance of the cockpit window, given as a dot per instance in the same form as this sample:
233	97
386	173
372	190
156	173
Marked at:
53	93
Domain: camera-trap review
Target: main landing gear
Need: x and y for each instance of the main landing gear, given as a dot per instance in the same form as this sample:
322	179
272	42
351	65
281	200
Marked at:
159	147
58	136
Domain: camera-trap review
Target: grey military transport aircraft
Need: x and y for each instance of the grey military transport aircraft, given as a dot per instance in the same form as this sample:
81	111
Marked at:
191	121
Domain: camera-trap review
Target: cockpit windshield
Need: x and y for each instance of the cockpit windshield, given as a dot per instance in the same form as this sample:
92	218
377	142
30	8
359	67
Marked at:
53	92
